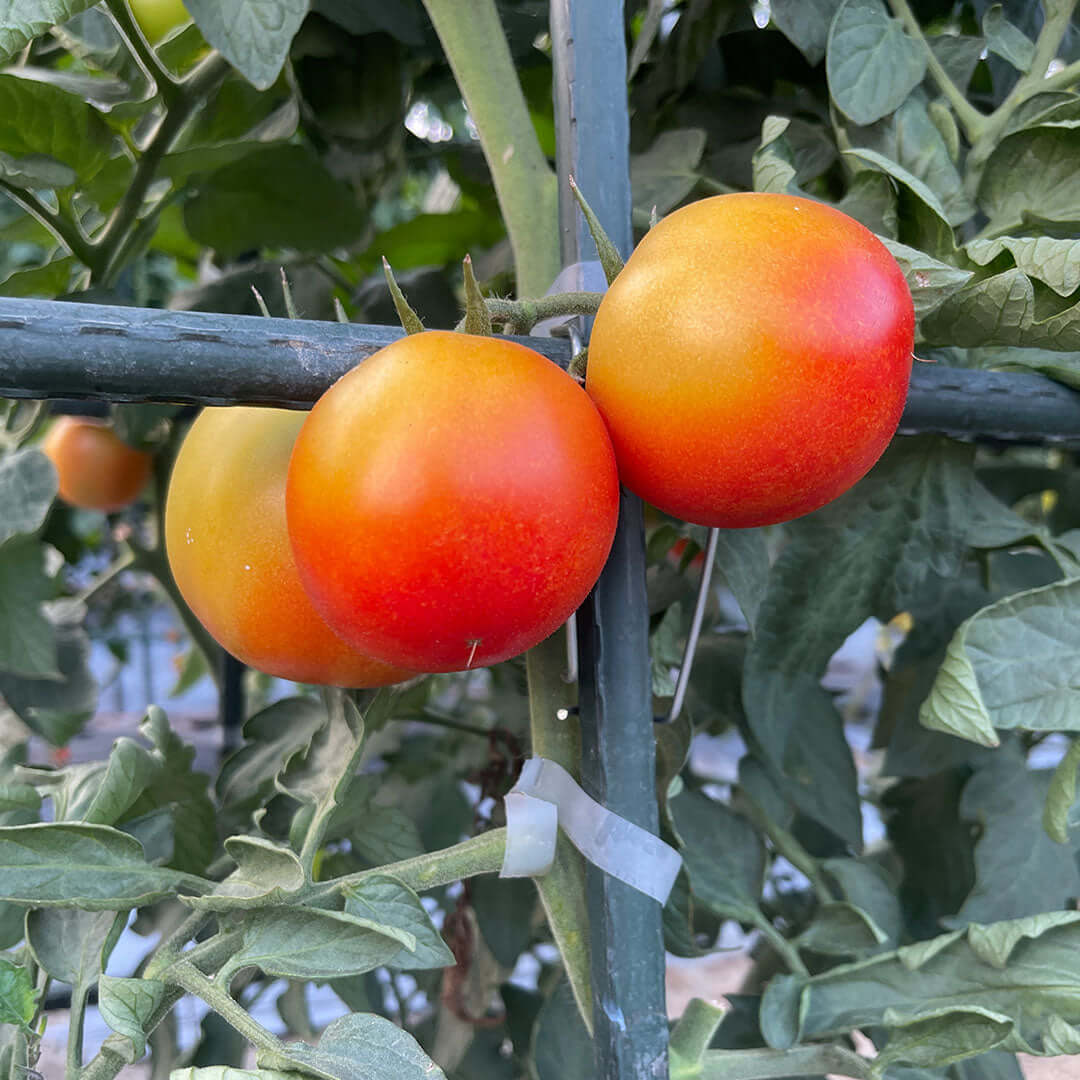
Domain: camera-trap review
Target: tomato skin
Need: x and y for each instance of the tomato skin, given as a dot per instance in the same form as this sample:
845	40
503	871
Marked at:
228	548
752	359
451	501
156	18
97	470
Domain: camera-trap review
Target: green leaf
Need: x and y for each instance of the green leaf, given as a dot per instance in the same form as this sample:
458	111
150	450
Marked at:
266	875
27	489
23	20
871	199
310	944
504	911
1055	262
562	1049
1060	813
253	35
17	997
92	867
1011	665
230	1072
1016	968
842	929
665	174
1006	40
127	1006
264	200
433	240
931	282
56	708
867	886
359	1047
386	834
773	162
1032	171
49	279
36	171
1019	870
805	23
129	770
272	738
27	639
722	853
72	946
39	119
388	902
903	176
872	65
941	1040
799	1061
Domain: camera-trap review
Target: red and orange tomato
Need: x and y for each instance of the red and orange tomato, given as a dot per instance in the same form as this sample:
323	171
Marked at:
229	551
451	501
752	359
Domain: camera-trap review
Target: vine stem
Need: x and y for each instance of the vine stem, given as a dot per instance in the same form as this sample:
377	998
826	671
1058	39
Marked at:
970	118
145	54
475	45
784	948
67	232
522	315
190	978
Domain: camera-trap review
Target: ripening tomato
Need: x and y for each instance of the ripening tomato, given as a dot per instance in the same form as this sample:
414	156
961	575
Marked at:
752	359
451	501
97	470
228	548
157	18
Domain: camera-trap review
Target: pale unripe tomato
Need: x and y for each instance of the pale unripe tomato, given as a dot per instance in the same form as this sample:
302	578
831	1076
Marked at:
157	18
451	501
96	469
228	548
752	359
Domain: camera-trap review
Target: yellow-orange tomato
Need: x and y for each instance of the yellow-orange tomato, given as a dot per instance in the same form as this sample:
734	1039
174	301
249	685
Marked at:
156	18
97	470
752	359
451	501
229	551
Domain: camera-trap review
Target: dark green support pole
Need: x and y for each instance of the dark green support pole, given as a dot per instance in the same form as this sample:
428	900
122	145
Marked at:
618	755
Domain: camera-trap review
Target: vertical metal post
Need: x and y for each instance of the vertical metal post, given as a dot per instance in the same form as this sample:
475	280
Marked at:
618	766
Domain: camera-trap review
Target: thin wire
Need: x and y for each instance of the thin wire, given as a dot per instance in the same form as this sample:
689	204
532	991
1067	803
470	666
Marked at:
695	626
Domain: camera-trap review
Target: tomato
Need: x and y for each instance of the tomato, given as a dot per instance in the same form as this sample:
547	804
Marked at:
451	501
157	18
97	470
751	359
229	551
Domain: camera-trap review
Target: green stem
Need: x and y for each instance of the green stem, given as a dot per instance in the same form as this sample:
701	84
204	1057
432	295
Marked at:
522	315
190	978
145	54
481	854
784	948
432	715
1062	79
67	232
76	1022
556	734
190	96
971	120
475	45
120	564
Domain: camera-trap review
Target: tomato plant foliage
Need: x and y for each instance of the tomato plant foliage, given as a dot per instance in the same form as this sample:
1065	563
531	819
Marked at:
876	768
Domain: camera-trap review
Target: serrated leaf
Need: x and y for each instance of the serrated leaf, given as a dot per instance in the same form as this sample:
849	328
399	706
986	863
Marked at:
27	638
385	900
17	997
38	118
1037	982
311	944
1032	172
127	1006
1059	814
1053	261
871	63
941	1040
267	874
722	853
264	200
92	867
1011	665
665	174
931	282
129	769
359	1047
805	23
71	945
253	35
1019	870
27	489
1006	40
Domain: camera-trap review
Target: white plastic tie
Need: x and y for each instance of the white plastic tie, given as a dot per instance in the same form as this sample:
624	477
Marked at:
617	846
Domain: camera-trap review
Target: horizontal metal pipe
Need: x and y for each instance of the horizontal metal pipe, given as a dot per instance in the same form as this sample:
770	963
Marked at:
50	349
